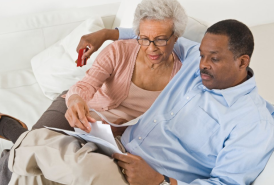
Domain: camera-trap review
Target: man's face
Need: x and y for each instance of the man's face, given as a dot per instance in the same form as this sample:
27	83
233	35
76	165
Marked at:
219	69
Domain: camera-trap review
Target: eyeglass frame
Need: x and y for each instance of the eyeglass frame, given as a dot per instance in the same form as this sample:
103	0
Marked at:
150	41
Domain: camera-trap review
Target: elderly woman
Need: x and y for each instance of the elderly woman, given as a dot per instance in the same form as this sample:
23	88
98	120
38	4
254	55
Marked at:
124	81
128	75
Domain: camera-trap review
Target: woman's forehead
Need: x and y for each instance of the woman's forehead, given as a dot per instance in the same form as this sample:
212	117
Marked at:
156	27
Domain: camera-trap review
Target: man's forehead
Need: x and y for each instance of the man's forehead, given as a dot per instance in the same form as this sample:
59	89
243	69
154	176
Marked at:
214	43
208	50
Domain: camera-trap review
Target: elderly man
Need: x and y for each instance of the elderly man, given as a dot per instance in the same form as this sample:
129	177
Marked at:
202	128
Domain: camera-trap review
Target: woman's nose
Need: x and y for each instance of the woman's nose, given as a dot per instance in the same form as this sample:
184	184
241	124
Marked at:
152	47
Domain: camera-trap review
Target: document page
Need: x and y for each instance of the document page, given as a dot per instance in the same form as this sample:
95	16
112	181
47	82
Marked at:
100	134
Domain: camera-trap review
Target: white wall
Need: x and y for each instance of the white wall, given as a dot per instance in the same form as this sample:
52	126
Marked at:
251	12
11	8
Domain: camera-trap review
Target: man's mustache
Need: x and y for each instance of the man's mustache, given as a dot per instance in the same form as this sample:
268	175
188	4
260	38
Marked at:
204	71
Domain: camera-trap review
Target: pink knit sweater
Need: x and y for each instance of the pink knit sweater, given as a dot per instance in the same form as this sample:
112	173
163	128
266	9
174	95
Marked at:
107	82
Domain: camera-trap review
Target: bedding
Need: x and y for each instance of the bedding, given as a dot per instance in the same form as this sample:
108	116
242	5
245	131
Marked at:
55	68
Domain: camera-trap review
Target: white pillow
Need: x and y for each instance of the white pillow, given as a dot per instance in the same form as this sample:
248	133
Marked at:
194	30
55	68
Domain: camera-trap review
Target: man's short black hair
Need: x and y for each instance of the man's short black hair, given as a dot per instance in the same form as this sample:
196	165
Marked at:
240	38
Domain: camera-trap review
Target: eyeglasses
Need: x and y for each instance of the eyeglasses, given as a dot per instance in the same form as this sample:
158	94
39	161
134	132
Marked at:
157	42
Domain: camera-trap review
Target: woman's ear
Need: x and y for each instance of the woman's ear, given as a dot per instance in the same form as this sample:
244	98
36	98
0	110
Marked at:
176	38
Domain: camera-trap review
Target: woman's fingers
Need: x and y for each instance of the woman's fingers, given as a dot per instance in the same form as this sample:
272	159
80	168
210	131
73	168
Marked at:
89	118
77	115
83	119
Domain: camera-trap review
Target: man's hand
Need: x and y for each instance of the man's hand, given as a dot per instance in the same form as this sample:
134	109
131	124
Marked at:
137	171
78	113
117	131
95	40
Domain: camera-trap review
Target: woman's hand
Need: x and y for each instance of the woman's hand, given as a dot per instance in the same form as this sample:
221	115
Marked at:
117	131
95	40
78	113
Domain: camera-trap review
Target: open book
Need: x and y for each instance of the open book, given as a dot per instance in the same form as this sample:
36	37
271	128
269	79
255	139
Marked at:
100	134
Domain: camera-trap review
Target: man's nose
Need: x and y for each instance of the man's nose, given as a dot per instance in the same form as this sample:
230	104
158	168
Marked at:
205	63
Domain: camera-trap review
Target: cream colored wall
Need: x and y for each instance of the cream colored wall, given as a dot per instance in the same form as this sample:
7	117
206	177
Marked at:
251	12
262	61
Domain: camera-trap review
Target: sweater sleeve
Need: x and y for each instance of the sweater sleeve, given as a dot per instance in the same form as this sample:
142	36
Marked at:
95	77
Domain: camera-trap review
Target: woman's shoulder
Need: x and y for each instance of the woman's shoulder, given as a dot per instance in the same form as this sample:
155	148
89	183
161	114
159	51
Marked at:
126	44
120	46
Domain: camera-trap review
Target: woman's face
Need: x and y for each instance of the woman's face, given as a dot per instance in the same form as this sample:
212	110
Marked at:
154	30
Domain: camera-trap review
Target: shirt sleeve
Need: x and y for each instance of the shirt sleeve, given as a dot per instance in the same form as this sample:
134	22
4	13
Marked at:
126	33
244	155
101	70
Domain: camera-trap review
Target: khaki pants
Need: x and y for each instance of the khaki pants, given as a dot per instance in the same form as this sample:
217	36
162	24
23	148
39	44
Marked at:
43	156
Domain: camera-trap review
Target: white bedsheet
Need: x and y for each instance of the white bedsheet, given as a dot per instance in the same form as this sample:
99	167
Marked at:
21	97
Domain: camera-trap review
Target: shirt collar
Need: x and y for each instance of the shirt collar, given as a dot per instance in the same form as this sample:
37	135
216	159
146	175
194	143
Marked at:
232	94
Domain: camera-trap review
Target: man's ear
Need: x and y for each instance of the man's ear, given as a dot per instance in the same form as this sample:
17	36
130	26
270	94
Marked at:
244	61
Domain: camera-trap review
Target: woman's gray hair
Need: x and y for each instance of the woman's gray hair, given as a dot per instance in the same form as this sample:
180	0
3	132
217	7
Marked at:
161	10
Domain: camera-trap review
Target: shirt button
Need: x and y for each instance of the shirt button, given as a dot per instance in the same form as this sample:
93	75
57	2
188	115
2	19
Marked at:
171	113
140	138
187	98
155	121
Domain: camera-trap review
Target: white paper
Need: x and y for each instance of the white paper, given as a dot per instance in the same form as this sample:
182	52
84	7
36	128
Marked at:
130	123
98	129
100	134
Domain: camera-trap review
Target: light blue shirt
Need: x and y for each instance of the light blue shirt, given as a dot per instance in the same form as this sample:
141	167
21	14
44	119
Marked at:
201	136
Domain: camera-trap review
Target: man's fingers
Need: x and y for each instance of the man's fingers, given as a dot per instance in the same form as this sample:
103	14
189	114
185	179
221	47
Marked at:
123	164
122	157
81	45
89	52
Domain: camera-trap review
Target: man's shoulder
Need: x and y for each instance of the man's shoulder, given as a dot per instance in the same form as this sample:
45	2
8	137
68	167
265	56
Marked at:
254	108
263	109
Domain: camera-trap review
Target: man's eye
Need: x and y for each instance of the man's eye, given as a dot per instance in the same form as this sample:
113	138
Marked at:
202	56
214	59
